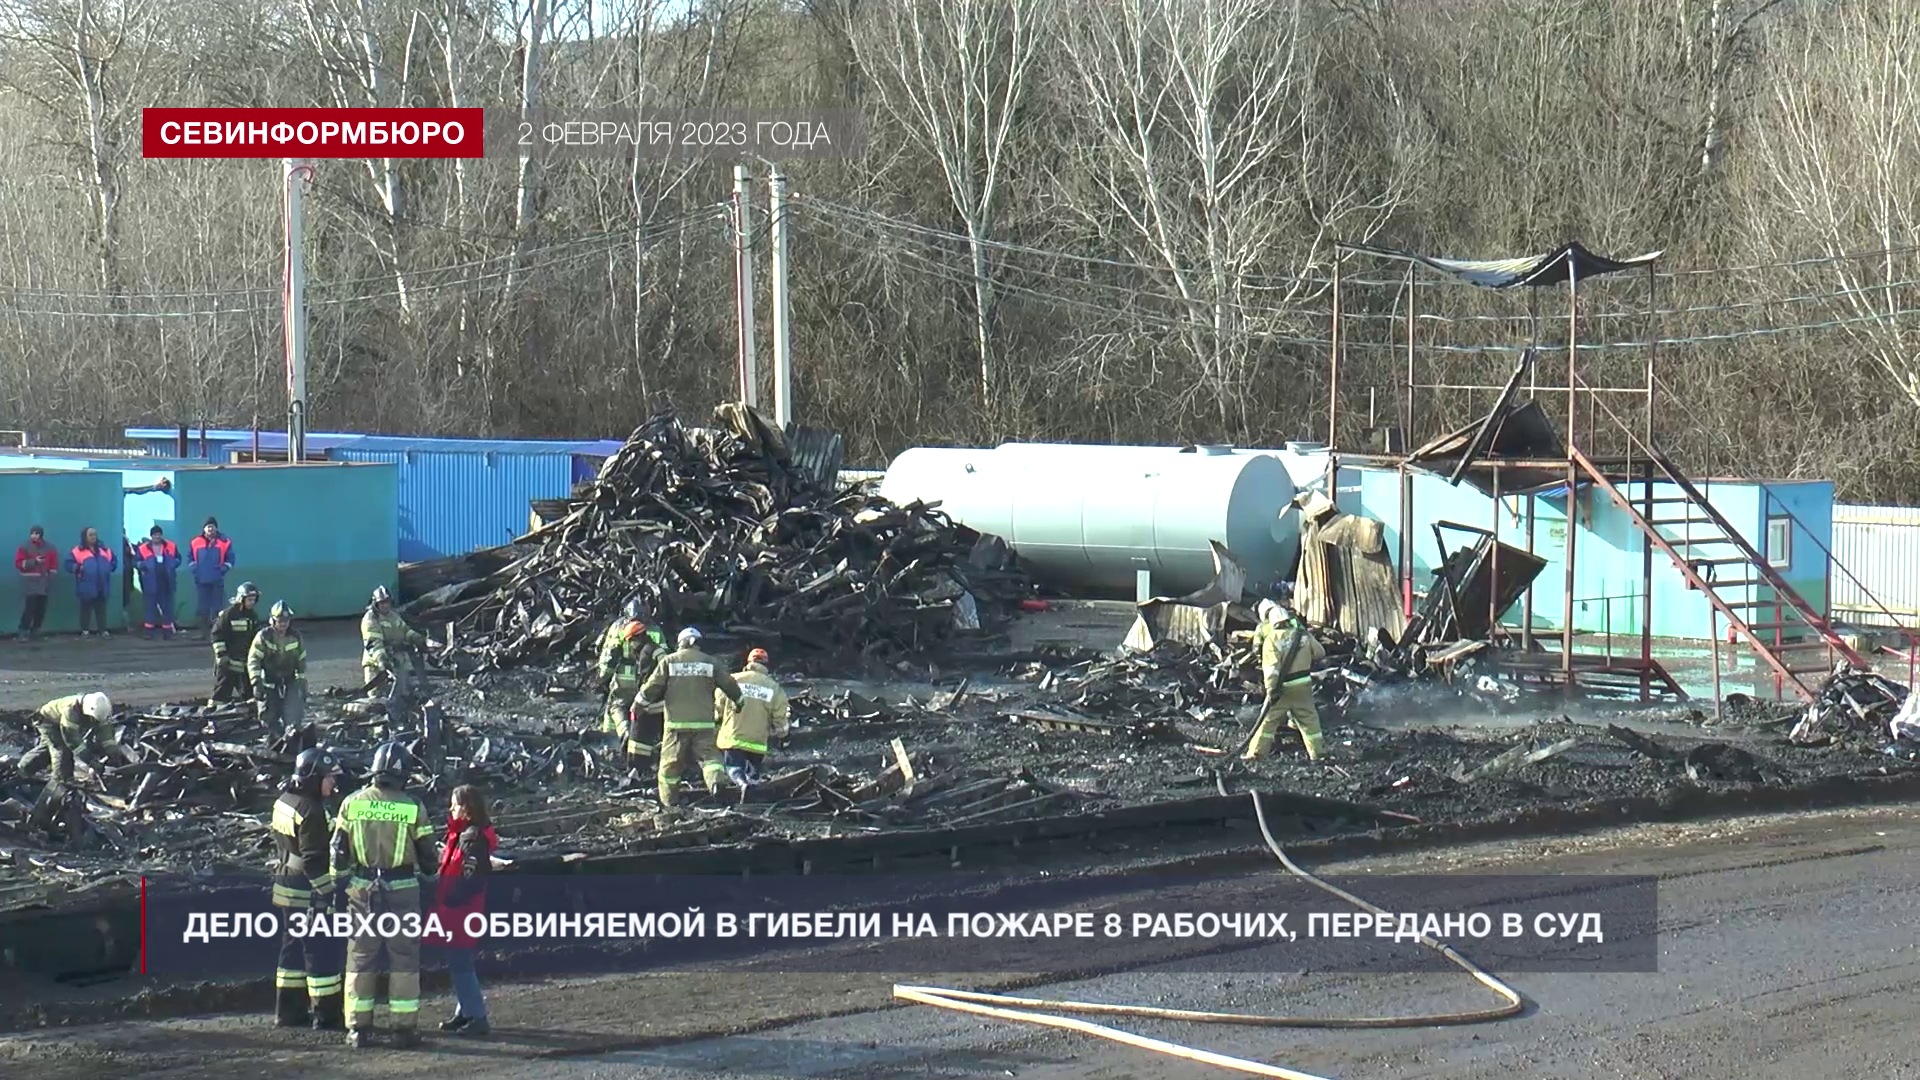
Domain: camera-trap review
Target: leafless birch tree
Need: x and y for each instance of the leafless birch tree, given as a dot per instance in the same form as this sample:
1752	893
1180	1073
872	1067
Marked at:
1842	152
955	74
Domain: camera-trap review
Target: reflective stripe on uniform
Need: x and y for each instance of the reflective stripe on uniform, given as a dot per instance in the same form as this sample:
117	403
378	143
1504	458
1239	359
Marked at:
742	744
691	725
289	978
291	896
360	1006
383	832
325	985
286	820
399	1006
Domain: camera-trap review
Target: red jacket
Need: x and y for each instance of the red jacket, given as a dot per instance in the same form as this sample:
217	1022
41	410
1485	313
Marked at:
462	890
44	560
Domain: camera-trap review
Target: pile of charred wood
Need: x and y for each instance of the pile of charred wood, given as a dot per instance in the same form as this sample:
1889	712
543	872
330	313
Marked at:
714	527
203	775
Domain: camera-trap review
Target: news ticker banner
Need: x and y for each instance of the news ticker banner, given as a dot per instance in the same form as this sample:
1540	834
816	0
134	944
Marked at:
549	134
930	923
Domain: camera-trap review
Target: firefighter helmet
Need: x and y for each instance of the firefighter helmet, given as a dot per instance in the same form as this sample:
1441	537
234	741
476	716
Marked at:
392	763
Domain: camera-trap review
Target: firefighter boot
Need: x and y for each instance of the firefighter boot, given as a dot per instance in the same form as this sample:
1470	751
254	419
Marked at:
327	1014
405	1038
359	1038
290	1007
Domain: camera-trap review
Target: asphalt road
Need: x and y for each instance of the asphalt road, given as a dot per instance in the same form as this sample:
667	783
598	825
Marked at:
1786	948
136	671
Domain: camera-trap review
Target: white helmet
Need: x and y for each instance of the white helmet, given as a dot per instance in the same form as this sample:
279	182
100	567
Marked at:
1271	613
689	636
97	706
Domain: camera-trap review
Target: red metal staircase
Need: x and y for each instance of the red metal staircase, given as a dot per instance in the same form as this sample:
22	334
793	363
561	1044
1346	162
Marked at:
1795	641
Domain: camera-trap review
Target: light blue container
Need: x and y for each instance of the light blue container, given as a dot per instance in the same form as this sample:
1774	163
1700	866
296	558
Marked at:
63	501
320	536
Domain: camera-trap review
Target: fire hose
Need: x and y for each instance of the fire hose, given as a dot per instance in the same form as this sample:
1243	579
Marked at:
1028	1010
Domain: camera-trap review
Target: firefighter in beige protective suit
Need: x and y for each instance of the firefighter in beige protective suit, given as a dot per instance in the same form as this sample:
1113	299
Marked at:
1287	655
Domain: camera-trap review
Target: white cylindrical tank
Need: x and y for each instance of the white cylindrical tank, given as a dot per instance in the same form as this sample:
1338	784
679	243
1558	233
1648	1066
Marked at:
1305	462
1086	518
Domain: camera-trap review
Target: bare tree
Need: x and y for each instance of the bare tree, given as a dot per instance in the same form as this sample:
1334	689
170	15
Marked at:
1213	151
1842	151
955	73
532	55
352	40
99	51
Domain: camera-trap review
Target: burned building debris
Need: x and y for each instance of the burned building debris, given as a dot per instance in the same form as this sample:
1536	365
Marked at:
945	729
716	526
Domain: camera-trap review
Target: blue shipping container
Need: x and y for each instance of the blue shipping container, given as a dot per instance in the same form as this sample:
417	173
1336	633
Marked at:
459	495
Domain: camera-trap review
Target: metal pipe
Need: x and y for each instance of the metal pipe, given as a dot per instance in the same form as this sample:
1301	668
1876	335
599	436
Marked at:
1646	591
1606	623
743	285
1412	325
1634	390
1526	615
1653	348
1573	499
782	344
1493	593
297	172
1333	362
1713	615
1406	542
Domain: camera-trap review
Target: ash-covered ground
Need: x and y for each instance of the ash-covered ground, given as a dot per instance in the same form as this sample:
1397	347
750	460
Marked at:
1003	744
1055	728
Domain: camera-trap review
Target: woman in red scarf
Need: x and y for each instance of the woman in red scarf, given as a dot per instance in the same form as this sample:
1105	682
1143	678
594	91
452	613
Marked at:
466	859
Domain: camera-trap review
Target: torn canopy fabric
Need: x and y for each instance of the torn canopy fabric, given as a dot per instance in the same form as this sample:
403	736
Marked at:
1532	271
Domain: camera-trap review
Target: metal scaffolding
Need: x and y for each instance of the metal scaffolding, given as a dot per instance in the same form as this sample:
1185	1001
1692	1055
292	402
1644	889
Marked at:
1623	460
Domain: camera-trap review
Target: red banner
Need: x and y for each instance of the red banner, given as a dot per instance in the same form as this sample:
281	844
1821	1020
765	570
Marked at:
313	133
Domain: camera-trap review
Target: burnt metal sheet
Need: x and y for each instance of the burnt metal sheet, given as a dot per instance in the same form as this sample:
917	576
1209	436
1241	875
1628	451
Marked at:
1523	432
1199	618
1532	271
1346	576
1456	606
816	453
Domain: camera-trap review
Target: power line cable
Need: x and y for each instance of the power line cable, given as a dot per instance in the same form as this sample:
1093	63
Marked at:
965	276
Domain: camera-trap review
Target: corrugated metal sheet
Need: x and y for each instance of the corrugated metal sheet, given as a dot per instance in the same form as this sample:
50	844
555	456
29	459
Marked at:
1880	547
391	443
273	444
458	496
164	442
319	536
816	453
63	502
